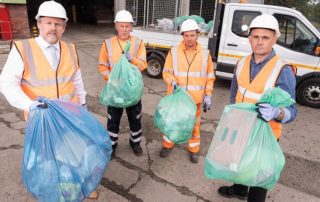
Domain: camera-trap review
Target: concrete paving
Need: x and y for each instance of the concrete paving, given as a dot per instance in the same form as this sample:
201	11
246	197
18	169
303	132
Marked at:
149	177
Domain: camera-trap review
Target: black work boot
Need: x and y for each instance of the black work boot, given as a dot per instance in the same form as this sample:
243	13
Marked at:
165	152
194	157
235	191
137	150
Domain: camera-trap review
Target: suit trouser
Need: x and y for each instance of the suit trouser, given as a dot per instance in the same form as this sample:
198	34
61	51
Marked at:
194	142
134	114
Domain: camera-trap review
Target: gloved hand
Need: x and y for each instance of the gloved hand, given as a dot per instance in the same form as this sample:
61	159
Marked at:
267	112
128	56
174	85
36	104
206	103
85	106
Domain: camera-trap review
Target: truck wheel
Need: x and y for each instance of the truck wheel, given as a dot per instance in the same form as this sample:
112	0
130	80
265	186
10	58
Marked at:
308	92
155	66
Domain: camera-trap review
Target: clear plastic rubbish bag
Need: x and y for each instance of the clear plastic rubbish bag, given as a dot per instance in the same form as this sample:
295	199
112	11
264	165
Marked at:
175	116
66	152
125	85
246	151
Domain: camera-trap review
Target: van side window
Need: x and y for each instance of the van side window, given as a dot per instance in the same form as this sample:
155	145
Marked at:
241	21
295	35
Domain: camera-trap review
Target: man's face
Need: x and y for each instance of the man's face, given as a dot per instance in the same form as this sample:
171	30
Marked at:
123	30
262	41
51	29
190	38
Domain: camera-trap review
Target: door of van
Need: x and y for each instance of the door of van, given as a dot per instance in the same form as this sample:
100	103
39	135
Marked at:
234	42
298	41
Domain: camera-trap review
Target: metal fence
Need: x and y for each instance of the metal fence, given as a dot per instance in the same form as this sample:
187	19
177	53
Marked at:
147	12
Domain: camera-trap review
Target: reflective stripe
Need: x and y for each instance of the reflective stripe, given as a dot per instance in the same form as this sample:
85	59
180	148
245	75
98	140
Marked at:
194	88
136	133
28	52
249	94
166	139
105	64
174	60
42	83
142	58
109	116
165	69
274	75
113	134
205	54
139	115
194	144
113	142
109	50
191	74
211	75
136	46
136	139
104	73
240	66
66	97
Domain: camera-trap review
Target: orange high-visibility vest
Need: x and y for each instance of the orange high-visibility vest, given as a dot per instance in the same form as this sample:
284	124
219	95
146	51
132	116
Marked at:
194	78
39	79
251	92
113	51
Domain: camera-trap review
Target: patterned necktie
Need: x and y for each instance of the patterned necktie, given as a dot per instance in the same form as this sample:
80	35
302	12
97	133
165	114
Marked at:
54	58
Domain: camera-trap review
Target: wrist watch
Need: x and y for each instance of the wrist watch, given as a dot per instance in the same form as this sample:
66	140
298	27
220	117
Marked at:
281	114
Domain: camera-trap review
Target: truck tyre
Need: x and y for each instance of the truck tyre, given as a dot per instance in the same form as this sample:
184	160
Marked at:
308	92
155	66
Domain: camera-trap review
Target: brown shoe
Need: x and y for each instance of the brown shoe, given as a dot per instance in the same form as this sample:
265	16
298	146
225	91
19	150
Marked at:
94	195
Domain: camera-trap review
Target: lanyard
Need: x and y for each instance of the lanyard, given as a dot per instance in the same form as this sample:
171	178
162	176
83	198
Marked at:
189	65
120	45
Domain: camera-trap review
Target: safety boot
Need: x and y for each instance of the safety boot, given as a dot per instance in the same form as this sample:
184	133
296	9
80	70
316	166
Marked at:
234	191
137	150
194	157
165	152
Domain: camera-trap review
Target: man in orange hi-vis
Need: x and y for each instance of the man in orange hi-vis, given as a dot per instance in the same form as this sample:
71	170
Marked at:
110	53
190	66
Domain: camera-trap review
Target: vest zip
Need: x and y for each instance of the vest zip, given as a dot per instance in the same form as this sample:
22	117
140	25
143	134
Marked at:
57	85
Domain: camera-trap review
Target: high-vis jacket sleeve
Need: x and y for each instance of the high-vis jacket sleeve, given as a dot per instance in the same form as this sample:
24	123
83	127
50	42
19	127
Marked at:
10	80
210	77
167	73
140	60
104	66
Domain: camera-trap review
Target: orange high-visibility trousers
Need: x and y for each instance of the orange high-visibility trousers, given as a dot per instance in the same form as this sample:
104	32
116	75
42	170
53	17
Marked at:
194	142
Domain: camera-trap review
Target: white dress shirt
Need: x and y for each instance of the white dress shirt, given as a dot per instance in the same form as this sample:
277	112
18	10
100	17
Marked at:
11	75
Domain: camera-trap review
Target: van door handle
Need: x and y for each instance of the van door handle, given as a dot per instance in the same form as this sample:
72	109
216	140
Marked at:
232	44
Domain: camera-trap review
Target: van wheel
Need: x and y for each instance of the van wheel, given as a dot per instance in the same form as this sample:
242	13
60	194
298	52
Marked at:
155	66
308	93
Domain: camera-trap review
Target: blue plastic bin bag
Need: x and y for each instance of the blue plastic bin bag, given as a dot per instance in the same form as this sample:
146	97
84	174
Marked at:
244	149
175	116
66	152
125	85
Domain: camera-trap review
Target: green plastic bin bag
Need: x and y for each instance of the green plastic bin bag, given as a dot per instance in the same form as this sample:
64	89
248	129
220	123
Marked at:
175	116
125	85
244	149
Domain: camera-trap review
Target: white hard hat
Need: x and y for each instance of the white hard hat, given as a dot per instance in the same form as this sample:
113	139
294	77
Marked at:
189	25
266	22
52	9
123	16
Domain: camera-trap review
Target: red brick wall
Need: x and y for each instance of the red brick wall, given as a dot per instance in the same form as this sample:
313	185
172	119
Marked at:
19	17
